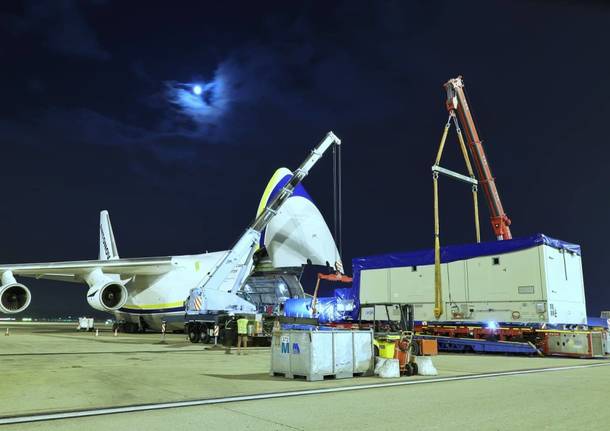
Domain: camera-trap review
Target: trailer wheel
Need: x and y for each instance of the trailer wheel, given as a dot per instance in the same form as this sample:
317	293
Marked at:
415	368
194	334
409	369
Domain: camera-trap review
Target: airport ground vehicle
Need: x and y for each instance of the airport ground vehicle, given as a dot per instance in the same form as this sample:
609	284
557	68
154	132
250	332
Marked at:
220	295
86	324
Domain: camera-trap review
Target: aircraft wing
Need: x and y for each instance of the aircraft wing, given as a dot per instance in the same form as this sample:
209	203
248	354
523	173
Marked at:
77	270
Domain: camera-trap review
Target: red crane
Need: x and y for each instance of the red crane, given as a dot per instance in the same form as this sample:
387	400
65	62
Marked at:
456	103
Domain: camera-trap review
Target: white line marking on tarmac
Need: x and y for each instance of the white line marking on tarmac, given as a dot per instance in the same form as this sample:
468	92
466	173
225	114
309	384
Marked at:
233	399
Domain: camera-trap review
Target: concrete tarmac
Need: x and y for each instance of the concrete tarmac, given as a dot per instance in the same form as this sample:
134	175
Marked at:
53	368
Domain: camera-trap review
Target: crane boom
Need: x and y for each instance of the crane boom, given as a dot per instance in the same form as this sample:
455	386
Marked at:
297	176
457	103
217	291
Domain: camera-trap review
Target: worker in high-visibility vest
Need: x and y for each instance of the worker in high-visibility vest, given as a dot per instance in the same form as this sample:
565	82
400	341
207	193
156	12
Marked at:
242	333
277	327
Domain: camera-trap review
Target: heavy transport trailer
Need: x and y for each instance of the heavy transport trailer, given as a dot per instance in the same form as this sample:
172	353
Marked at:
532	339
471	345
569	340
503	338
489	331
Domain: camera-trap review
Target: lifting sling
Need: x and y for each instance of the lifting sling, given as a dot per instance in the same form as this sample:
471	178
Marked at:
436	170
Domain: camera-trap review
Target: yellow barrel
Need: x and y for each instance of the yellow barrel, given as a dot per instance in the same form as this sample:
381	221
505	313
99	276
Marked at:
386	348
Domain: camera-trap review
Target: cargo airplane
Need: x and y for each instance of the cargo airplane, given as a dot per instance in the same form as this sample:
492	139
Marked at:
143	292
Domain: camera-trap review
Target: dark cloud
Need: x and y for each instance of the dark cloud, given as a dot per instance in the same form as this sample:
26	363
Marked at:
65	128
61	26
572	3
296	83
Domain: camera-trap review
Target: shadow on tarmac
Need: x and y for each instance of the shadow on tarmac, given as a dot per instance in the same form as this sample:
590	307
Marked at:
254	376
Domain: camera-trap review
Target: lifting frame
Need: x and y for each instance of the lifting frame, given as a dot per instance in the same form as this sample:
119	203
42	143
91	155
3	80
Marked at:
436	170
458	107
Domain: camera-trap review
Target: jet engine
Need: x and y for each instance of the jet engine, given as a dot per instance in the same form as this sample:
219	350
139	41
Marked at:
14	297
105	294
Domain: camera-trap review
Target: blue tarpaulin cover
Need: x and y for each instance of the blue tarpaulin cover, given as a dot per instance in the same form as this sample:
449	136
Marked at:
452	253
598	321
297	327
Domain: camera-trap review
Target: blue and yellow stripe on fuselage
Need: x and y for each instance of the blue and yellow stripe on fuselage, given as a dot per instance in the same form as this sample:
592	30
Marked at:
170	307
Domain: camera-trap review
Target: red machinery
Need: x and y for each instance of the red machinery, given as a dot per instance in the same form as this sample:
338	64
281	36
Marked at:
456	103
459	112
336	277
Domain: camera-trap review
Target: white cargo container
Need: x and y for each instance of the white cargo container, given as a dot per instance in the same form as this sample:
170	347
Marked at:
535	279
316	355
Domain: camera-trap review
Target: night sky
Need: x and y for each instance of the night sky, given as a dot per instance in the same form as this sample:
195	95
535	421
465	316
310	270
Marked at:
97	113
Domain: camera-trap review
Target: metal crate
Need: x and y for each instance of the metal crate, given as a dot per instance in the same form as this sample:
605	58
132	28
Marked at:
316	355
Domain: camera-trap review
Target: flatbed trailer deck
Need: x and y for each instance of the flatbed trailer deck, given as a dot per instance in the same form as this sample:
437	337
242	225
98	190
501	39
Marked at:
579	341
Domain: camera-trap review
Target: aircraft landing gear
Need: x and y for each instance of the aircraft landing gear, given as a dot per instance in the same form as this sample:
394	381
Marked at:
126	327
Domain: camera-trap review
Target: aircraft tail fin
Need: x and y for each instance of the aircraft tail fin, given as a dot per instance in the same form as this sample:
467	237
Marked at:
108	250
